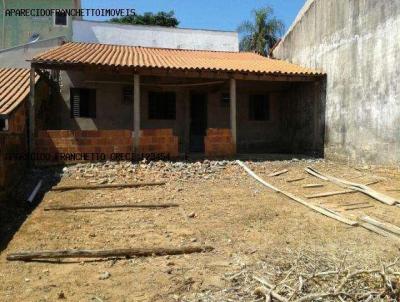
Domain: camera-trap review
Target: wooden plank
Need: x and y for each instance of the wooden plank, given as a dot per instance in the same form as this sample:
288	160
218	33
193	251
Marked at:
313	186
31	197
358	208
295	179
372	183
379	231
355	186
333	193
311	171
278	173
353	204
107	186
383	225
96	207
128	252
316	208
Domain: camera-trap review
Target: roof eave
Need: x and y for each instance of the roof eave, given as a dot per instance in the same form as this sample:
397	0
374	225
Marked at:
179	72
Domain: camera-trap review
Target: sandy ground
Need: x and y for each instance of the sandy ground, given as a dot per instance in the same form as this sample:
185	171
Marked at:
245	222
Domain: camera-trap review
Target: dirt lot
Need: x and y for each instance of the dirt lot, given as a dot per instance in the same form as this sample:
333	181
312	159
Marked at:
252	229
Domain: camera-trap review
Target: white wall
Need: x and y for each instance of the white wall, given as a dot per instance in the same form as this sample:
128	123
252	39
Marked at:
154	36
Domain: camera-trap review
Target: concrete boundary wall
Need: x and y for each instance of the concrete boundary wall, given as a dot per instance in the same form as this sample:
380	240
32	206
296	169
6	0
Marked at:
357	43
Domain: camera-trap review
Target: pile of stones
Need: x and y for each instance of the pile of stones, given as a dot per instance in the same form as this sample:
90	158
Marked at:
116	172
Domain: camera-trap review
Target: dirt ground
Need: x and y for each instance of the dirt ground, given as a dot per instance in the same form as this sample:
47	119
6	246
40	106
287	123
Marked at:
247	224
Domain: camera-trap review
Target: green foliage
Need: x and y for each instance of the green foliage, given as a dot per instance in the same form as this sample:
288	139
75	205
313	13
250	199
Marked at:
262	34
166	19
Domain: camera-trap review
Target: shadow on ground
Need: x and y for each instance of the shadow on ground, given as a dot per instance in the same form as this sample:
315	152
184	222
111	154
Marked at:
15	208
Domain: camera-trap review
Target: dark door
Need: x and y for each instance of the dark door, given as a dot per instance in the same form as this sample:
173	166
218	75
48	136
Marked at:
198	121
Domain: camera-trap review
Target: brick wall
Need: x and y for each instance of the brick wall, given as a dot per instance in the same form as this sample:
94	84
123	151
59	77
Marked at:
92	142
17	120
159	143
219	143
11	168
12	144
71	145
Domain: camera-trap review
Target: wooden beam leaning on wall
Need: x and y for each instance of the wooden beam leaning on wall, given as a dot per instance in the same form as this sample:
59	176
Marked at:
136	113
233	108
31	114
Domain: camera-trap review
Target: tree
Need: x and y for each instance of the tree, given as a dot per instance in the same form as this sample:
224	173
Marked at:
166	19
262	34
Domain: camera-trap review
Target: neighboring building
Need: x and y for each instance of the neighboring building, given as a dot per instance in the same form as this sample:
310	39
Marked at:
357	43
17	30
123	99
20	56
14	93
154	36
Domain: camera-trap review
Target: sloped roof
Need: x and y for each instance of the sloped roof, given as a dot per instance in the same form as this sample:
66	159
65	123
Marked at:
162	58
14	88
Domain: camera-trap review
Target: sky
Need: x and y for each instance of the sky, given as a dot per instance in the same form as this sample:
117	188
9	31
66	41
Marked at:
205	14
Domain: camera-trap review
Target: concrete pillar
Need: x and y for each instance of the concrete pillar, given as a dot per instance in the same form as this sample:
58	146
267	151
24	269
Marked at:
31	113
136	112
233	109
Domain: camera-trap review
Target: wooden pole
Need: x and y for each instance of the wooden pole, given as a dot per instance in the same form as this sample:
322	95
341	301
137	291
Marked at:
115	206
31	115
136	112
108	186
233	109
129	252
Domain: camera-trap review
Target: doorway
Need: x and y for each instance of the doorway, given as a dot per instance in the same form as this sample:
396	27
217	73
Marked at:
198	121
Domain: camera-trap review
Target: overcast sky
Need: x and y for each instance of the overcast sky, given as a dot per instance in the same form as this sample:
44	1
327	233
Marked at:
206	14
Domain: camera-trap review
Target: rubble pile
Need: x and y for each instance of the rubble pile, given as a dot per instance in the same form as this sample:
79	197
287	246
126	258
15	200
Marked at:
117	172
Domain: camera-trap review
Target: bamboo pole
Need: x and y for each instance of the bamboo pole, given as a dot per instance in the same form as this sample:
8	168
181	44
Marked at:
115	206
107	186
128	252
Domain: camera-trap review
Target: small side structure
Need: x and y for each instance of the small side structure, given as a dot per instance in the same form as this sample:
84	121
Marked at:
114	101
14	93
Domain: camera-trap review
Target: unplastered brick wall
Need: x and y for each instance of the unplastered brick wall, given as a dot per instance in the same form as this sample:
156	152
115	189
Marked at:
12	150
17	120
12	162
159	143
219	143
93	142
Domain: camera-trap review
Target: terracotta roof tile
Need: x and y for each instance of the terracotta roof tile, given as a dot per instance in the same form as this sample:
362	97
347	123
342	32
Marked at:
14	88
162	58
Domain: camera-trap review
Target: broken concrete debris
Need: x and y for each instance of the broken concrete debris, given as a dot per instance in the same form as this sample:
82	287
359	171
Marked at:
117	172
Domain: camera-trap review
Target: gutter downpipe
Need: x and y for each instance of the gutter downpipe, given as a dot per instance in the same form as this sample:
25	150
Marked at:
3	42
